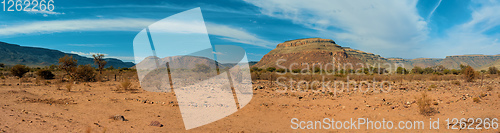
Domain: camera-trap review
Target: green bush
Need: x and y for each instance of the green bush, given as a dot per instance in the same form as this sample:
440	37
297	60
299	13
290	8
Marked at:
446	71
281	70
417	70
19	70
401	70
455	72
271	69
45	74
428	70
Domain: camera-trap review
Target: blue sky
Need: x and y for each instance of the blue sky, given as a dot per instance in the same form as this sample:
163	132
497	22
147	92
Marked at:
396	28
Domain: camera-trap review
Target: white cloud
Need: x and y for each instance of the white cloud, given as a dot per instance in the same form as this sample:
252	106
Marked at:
132	24
89	54
375	26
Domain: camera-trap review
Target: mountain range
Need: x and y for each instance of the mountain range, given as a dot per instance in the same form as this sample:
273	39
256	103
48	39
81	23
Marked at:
12	54
321	51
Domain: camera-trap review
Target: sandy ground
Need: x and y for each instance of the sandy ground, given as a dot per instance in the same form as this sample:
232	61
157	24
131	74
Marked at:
88	107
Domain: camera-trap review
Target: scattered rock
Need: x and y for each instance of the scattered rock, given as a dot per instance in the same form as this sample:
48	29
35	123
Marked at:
118	117
156	124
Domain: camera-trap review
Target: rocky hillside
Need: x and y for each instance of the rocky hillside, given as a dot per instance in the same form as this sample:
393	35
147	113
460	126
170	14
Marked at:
11	54
475	61
314	51
321	51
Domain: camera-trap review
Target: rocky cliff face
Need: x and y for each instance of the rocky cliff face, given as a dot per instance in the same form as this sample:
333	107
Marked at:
12	54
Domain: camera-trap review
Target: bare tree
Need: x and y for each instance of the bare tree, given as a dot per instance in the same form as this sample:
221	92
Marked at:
99	61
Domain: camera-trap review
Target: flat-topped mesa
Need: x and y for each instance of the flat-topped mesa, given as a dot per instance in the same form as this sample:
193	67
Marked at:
299	42
478	55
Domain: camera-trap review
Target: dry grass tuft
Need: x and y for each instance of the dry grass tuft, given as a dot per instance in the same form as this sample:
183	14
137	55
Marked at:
125	85
69	86
424	105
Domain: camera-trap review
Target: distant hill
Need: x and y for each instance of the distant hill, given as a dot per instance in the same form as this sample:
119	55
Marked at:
321	51
495	64
12	54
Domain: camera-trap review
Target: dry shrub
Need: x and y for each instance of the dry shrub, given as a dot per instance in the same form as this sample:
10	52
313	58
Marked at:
435	78
433	86
476	100
69	86
456	82
19	70
85	73
45	74
424	105
125	85
469	74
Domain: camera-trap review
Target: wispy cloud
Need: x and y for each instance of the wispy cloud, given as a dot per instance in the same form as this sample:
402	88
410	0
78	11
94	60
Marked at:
433	10
471	37
205	7
89	54
387	27
237	35
133	24
45	13
90	45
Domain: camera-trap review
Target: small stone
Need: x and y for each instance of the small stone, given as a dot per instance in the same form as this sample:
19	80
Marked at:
119	117
156	124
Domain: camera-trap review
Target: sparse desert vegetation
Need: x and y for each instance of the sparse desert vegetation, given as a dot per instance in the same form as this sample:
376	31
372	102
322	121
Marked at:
80	99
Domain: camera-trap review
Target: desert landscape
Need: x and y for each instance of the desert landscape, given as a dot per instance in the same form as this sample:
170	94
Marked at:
67	98
49	106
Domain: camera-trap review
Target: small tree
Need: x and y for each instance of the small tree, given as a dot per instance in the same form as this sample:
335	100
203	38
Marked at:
19	70
100	62
469	74
68	64
45	74
493	70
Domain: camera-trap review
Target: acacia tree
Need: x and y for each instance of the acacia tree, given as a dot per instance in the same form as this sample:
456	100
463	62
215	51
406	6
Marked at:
99	61
68	64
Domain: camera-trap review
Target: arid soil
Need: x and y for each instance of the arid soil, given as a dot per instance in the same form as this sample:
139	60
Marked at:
100	107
